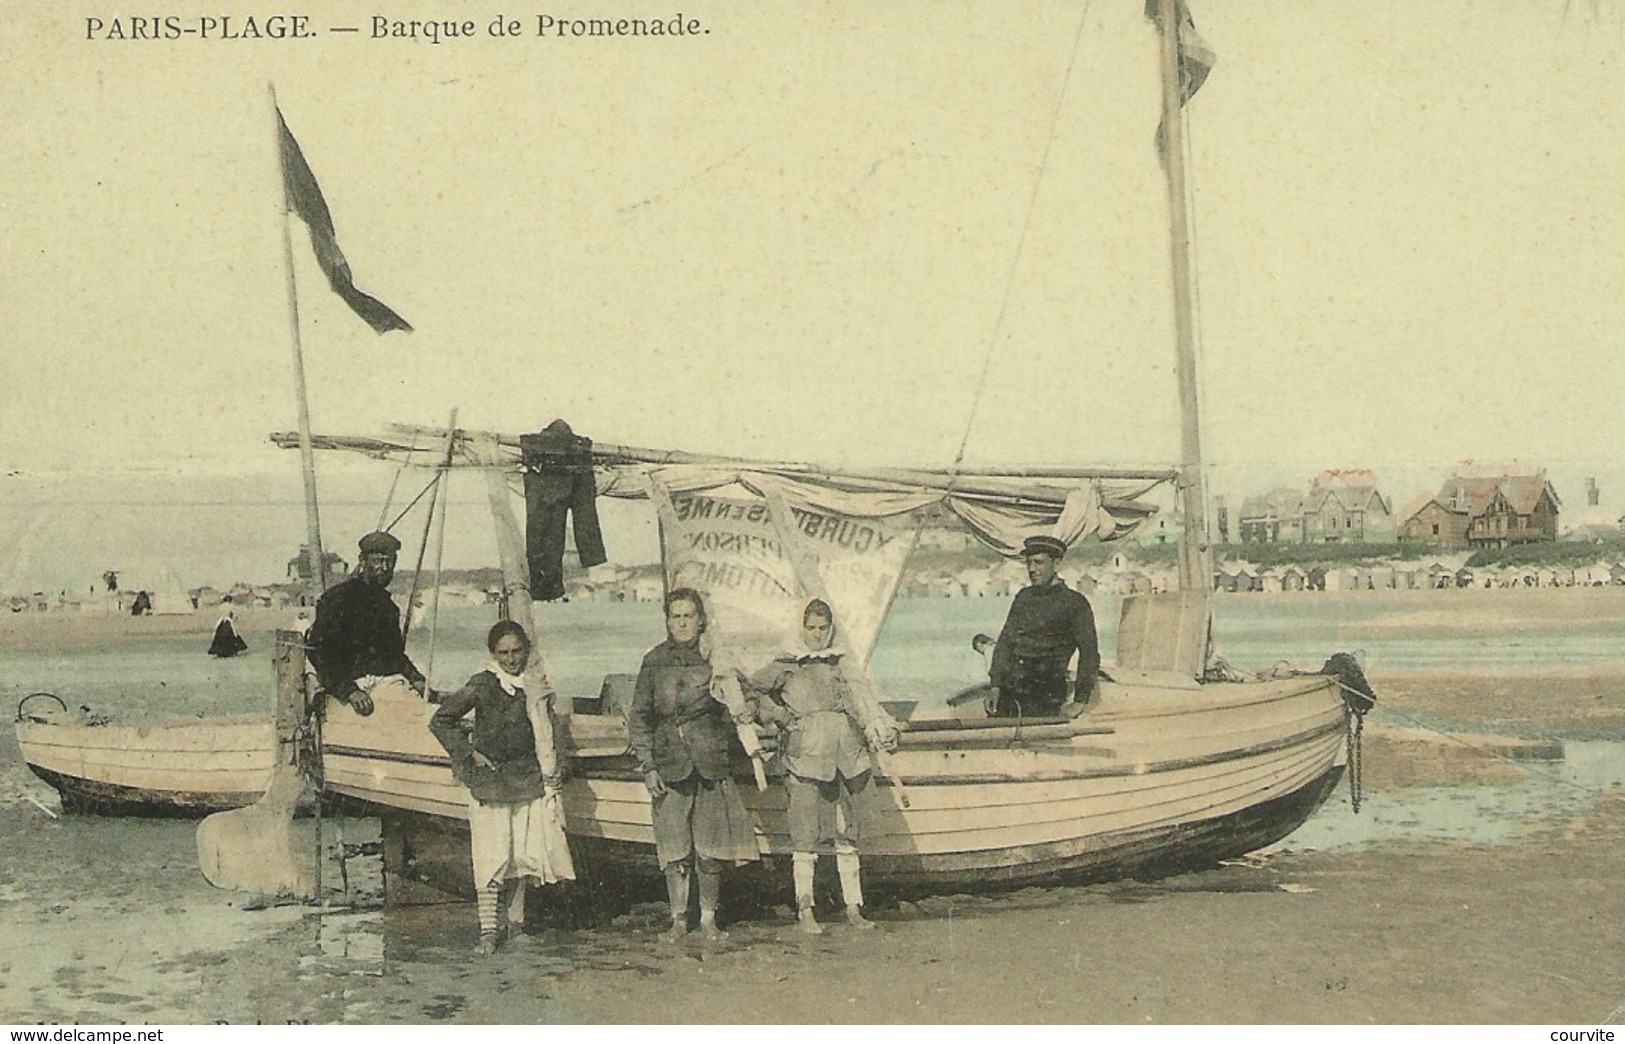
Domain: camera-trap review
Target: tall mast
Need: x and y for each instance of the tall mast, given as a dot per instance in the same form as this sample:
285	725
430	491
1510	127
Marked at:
1194	569
307	455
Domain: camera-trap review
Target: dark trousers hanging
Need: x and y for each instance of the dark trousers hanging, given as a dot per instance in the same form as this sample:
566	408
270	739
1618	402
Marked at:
558	483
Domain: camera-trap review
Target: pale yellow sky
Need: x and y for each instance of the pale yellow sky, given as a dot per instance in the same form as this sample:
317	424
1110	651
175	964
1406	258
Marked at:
806	233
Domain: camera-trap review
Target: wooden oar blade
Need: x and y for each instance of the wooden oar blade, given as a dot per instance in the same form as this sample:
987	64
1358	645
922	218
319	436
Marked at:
265	848
262	848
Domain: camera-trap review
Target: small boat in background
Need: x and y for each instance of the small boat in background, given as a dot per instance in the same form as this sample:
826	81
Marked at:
169	768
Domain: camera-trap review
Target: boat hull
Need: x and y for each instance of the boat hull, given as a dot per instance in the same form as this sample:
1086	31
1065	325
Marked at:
1160	776
176	768
423	850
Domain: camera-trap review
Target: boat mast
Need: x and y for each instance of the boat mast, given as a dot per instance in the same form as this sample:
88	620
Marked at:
1194	569
307	454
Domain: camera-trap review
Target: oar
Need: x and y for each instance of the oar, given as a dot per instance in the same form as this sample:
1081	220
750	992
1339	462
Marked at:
884	769
726	691
259	848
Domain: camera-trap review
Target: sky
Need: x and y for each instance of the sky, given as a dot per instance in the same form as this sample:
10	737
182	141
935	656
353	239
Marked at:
828	231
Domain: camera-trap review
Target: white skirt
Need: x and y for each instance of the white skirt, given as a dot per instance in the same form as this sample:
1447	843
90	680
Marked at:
524	839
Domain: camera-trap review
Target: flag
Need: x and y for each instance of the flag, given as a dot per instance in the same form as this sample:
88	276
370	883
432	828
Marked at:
304	198
1196	58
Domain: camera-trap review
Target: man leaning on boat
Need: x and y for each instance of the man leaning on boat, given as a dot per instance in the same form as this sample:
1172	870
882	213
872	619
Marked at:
355	643
1047	622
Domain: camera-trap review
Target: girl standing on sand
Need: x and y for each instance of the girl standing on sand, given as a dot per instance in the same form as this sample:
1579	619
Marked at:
516	823
830	726
683	738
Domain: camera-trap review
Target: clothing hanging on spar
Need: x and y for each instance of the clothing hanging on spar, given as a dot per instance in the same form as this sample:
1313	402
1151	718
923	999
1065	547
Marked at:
558	483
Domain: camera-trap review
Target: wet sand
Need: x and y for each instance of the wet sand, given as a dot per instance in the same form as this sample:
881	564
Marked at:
109	920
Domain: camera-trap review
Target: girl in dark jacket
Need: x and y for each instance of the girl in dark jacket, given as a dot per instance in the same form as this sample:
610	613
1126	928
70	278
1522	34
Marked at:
515	818
683	738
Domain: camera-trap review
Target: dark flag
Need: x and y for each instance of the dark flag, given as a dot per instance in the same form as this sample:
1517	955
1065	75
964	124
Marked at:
1196	58
304	198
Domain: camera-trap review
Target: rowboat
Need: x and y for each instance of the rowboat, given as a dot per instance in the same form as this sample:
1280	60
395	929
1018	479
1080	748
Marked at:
163	768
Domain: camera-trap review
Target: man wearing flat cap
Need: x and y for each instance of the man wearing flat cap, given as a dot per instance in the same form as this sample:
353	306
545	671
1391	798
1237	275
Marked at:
1048	622
355	643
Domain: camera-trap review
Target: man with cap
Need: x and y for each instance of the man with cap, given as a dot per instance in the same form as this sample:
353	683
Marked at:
355	643
1047	623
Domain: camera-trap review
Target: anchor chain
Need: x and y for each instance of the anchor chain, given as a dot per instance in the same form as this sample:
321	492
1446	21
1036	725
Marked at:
1356	785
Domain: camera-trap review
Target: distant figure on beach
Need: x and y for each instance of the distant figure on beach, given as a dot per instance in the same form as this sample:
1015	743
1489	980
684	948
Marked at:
142	606
227	642
508	764
830	727
1047	622
683	739
355	642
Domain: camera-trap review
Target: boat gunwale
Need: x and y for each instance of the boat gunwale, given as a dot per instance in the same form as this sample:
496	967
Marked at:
627	773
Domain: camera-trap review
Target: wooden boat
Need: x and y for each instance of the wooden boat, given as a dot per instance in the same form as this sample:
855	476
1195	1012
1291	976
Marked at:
169	768
1161	775
1174	767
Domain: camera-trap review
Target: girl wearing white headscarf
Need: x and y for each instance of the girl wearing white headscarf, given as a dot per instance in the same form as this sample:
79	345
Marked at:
829	728
516	825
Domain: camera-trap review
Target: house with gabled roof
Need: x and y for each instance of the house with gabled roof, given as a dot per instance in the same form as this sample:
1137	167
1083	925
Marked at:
1275	517
1345	506
1342	505
1481	511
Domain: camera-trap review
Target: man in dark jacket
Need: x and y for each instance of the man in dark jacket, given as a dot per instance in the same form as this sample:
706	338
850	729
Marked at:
1047	623
355	643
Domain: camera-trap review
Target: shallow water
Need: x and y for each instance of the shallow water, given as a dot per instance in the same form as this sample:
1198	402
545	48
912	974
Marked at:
1546	792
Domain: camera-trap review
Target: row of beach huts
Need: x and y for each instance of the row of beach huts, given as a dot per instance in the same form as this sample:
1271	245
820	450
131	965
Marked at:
1119	576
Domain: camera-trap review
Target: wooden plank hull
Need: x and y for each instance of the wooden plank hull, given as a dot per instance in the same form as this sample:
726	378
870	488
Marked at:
1160	776
175	768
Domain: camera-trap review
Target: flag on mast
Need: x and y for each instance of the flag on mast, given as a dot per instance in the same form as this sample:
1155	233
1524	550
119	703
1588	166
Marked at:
304	198
1196	58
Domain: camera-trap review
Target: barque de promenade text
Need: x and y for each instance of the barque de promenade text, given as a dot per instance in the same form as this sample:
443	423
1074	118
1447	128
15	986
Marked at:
277	26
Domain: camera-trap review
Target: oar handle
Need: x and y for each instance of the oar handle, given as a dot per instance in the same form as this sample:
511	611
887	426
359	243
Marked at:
883	766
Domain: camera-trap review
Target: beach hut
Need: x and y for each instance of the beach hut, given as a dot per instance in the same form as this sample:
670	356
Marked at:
169	598
1292	579
1133	582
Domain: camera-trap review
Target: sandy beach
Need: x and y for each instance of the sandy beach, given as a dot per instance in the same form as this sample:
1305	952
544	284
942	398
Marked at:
110	920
